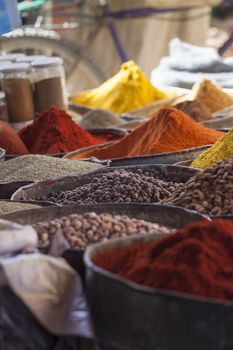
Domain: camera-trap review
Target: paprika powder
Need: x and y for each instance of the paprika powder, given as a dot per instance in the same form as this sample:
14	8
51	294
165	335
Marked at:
54	131
197	260
169	130
10	141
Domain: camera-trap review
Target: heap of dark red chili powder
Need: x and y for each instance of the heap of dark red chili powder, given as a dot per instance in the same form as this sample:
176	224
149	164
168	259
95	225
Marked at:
54	131
197	259
10	141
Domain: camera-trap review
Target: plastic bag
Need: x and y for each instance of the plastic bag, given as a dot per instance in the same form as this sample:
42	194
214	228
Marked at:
9	16
15	237
42	304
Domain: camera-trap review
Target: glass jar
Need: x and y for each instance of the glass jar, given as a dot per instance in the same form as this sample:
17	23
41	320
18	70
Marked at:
49	84
17	85
3	107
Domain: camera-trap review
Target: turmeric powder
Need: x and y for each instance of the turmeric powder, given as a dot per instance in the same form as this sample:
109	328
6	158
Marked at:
127	90
169	130
223	148
211	95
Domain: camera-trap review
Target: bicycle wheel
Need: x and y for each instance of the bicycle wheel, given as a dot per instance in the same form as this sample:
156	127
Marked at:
82	72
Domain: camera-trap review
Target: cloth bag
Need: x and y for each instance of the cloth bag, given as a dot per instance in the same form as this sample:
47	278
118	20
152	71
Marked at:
9	16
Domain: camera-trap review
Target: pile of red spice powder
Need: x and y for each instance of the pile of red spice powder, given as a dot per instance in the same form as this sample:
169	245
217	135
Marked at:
54	131
197	259
10	141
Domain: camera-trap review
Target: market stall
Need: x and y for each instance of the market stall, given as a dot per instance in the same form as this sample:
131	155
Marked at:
116	208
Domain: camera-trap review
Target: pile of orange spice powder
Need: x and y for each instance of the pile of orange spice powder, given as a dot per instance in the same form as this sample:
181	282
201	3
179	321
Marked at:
169	130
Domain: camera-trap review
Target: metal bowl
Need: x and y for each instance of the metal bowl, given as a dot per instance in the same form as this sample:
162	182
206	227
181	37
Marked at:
161	158
130	316
44	188
220	122
118	132
7	189
185	163
169	216
2	154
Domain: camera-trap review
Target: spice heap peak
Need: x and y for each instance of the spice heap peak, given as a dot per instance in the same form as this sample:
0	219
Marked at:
223	148
127	90
169	130
211	95
54	131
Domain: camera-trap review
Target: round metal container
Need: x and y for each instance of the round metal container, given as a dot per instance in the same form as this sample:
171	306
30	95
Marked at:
159	158
130	316
162	158
118	132
170	216
44	188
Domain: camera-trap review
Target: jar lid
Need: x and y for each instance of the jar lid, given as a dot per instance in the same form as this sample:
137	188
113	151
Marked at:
30	59
5	63
14	68
46	62
11	56
2	95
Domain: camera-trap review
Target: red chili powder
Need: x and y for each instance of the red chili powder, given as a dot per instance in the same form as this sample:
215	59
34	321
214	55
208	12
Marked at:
197	259
10	141
54	131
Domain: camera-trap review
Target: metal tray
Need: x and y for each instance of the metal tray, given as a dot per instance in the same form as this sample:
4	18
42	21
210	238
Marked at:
221	122
41	203
185	163
226	112
129	316
44	188
7	189
111	131
170	216
2	154
150	109
161	158
80	109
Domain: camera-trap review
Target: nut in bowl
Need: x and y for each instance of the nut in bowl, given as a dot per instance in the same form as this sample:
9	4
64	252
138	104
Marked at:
144	184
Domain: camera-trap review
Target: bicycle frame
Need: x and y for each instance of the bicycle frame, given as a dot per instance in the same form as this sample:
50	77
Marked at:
107	17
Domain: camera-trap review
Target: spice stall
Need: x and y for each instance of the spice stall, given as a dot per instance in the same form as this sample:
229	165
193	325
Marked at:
138	246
